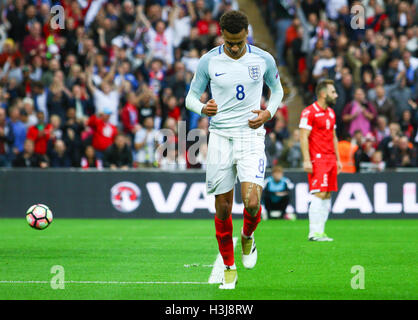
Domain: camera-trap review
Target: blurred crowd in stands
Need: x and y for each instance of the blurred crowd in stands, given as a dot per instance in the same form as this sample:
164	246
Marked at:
108	89
374	69
103	90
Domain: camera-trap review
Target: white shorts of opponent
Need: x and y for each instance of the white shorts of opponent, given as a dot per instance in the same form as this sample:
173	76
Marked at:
235	154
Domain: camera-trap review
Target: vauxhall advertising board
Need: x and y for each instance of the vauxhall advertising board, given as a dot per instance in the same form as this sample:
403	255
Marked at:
182	194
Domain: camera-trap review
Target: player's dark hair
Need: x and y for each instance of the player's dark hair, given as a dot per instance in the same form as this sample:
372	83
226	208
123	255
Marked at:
323	84
234	21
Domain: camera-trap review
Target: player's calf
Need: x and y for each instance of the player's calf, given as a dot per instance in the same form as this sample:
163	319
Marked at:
225	242
249	250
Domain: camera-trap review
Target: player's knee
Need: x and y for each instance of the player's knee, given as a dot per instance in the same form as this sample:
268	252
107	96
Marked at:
321	195
252	206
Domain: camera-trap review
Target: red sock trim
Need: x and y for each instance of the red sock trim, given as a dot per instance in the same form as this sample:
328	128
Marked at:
225	242
250	222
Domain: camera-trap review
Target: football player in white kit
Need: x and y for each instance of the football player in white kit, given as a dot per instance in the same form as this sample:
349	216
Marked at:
235	72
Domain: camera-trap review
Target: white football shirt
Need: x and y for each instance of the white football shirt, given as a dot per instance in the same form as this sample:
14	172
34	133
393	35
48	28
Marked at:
236	85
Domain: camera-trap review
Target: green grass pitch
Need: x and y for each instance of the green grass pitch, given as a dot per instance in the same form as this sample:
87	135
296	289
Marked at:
288	267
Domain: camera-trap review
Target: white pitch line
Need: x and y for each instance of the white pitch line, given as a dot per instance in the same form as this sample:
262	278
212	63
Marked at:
216	276
218	268
99	282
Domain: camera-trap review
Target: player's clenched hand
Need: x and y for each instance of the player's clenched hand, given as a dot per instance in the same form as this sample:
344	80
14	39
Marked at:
262	117
210	108
307	166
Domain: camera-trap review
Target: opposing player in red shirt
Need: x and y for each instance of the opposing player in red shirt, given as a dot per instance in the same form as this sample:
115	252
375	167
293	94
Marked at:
321	160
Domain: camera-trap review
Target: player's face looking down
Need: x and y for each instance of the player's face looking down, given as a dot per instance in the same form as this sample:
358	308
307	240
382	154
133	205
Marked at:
235	43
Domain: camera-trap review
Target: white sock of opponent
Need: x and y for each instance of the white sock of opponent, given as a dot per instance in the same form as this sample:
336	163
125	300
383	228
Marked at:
315	216
325	209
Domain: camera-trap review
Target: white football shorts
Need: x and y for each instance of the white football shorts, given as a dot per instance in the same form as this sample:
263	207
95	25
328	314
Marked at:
232	155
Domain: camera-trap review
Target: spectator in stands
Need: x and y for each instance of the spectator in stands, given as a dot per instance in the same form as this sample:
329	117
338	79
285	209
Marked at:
118	155
58	156
382	130
203	25
139	52
191	60
181	21
72	130
366	152
29	109
388	143
89	160
156	75
377	163
408	124
81	103
48	75
146	143
6	140
106	97
275	141
345	90
104	132
404	154
40	134
378	81
147	104
56	129
357	138
325	62
19	130
293	152
173	110
34	43
401	94
383	105
129	115
160	39
408	65
272	152
28	158
40	98
57	102
192	42
285	12
359	114
17	19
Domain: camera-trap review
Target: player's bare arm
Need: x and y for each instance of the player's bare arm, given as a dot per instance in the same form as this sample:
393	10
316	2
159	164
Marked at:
304	146
337	154
276	97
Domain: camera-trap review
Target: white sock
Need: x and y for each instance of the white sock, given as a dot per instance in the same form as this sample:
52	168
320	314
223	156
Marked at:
325	209
315	217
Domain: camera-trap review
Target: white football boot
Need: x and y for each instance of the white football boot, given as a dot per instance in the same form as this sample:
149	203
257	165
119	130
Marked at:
320	237
249	251
230	278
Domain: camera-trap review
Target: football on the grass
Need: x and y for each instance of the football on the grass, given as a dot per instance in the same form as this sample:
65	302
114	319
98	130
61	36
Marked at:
39	216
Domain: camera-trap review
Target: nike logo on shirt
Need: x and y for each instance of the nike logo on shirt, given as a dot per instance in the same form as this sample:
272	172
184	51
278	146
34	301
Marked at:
219	74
